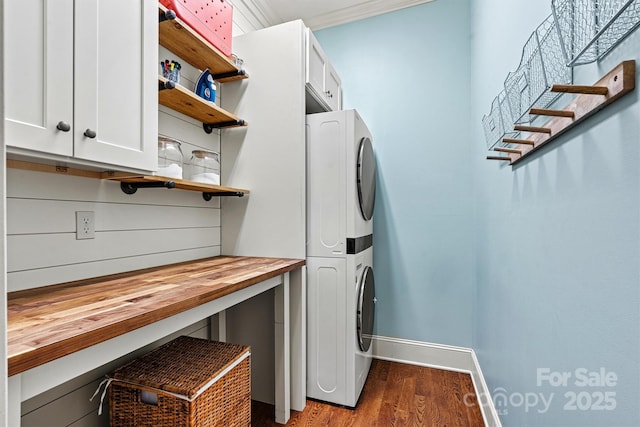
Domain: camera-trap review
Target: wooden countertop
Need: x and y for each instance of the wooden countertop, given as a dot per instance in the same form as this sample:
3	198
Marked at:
54	321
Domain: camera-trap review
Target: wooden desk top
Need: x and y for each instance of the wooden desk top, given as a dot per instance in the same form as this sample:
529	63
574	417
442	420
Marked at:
54	321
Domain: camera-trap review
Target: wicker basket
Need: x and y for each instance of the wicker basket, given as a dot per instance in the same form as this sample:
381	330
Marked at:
589	29
186	382
542	65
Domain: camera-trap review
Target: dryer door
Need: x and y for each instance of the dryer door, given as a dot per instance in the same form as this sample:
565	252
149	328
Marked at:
366	308
366	178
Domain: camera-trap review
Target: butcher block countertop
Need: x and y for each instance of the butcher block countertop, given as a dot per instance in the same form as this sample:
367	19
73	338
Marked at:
54	321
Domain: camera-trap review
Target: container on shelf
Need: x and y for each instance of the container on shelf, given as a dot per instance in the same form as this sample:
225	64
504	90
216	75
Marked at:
213	20
542	65
589	29
170	159
499	122
205	167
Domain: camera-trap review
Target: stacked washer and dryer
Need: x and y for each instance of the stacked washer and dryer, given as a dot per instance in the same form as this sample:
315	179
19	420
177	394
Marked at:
340	284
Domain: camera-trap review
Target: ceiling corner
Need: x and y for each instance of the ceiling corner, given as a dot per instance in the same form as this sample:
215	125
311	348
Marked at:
360	11
259	11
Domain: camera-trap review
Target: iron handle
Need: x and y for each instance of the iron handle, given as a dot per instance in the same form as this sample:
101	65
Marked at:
90	133
63	126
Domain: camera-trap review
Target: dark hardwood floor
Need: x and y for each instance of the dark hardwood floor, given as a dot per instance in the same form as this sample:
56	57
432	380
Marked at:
395	394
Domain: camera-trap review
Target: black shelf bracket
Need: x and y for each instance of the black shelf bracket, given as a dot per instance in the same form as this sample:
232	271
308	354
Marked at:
166	85
132	187
209	127
169	15
228	74
208	196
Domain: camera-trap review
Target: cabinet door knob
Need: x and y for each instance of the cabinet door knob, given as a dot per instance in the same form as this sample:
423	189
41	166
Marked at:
63	126
90	133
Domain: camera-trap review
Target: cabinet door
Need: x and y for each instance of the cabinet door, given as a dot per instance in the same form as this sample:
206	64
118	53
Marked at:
316	60
116	90
332	88
38	70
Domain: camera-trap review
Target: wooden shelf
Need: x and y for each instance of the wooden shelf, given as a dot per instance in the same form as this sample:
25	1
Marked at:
133	182
186	102
179	38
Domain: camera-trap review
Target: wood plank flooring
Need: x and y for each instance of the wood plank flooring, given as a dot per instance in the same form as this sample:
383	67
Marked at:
395	394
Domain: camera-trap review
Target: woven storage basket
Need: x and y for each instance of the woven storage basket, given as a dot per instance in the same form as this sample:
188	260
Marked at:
186	382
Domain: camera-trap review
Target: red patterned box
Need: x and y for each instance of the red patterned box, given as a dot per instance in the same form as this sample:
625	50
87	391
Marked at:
212	19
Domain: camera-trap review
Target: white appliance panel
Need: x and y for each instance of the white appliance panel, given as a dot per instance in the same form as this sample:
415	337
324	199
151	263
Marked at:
333	208
336	366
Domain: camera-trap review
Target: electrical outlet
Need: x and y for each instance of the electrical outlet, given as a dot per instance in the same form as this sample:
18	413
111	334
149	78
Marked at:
85	225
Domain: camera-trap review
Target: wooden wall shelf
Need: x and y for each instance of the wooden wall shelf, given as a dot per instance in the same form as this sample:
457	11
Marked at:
186	102
179	38
591	99
130	183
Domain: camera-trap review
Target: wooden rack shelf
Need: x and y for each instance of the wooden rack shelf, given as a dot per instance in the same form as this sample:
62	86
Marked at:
179	38
591	99
130	183
186	102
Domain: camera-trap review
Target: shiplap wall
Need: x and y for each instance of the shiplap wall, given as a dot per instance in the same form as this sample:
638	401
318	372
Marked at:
152	227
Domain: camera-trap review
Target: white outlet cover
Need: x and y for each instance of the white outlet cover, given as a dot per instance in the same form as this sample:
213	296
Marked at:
85	225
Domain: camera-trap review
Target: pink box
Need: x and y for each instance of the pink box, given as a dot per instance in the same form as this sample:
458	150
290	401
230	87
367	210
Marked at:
212	19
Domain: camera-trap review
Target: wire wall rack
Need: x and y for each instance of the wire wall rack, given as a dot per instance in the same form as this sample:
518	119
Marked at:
498	123
577	32
541	66
589	29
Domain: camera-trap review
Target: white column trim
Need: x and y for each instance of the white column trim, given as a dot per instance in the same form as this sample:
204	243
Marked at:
439	356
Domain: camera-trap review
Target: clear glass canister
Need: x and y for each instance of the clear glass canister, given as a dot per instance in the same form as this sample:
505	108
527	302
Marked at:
205	167
170	159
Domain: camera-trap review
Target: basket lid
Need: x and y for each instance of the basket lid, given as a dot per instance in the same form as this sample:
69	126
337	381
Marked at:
183	366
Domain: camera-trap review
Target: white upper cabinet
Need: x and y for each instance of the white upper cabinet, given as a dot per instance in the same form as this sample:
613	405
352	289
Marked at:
82	80
324	88
38	43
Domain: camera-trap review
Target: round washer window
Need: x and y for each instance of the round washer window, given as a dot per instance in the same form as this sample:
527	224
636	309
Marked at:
366	308
366	178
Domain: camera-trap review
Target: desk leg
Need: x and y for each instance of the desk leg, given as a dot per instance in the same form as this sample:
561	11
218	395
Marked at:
222	326
282	356
14	400
298	295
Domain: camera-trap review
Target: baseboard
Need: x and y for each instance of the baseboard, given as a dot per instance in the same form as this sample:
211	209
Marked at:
439	356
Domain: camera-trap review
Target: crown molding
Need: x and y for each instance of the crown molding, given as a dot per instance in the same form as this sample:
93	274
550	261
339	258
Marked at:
359	11
258	12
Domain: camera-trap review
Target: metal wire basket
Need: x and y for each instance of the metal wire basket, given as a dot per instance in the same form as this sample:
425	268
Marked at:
541	66
589	29
499	122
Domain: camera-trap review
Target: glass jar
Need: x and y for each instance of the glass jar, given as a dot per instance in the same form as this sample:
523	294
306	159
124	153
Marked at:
170	160
205	167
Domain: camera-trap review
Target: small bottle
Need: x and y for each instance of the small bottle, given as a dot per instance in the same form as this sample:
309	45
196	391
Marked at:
205	167
170	159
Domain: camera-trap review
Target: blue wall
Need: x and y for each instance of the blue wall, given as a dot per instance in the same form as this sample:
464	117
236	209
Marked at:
537	267
407	73
558	242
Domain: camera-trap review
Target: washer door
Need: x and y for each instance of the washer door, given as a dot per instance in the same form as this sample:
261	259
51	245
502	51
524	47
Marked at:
366	308
366	178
